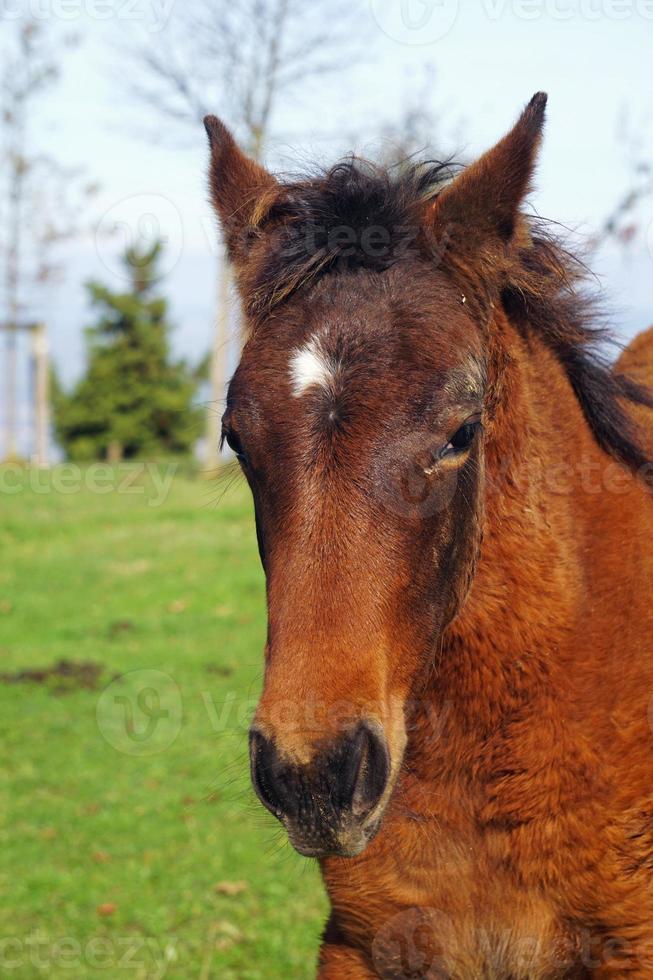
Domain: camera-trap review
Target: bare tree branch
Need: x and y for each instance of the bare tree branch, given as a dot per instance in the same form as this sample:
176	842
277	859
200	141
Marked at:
623	223
239	59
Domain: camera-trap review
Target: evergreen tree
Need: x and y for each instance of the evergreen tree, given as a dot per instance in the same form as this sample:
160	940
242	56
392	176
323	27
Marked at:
134	400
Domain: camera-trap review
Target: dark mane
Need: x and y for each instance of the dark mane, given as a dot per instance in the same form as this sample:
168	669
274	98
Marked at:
547	294
358	215
355	215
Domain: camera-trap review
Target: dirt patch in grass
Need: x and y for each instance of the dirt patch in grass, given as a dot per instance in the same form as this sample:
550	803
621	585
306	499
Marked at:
64	676
120	627
222	670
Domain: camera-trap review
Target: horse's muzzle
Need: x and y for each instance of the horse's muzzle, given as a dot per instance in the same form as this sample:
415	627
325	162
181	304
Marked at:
330	806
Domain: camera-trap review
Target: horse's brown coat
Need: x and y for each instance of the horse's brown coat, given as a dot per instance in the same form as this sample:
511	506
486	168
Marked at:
517	841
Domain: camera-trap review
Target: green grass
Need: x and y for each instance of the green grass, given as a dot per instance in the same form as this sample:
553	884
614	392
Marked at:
130	841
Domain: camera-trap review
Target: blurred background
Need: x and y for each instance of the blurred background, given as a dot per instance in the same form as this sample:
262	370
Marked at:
131	602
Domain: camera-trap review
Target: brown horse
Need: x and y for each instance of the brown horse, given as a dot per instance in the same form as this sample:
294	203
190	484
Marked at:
454	516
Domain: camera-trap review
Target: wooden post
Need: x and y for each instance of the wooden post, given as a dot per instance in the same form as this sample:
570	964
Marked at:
10	441
41	377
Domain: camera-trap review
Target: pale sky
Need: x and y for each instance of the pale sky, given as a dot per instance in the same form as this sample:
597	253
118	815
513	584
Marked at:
593	57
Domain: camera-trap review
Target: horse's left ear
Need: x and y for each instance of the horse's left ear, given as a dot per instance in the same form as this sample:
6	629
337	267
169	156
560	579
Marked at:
239	187
480	208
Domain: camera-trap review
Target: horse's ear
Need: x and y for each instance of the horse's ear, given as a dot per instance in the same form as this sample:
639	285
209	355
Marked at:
480	208
240	187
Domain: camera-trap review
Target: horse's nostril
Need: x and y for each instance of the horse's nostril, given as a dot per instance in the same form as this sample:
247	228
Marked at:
369	765
268	774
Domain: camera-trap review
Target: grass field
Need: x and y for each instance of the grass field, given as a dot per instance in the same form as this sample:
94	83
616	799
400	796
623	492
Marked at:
131	843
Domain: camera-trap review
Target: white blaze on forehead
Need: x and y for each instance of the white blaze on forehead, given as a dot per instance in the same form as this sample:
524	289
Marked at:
309	365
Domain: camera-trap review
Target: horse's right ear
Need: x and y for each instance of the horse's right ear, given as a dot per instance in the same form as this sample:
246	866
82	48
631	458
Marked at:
479	211
241	190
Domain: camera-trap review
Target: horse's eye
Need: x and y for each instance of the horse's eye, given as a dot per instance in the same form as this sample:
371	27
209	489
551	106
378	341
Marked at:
233	441
462	439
